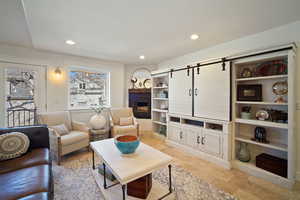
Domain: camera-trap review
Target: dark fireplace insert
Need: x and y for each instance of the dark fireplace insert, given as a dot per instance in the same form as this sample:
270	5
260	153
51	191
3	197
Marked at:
140	102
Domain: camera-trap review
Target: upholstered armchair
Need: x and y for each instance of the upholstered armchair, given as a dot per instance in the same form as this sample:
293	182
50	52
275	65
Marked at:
62	144
118	128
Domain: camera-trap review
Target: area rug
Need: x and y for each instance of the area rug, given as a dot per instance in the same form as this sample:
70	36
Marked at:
73	180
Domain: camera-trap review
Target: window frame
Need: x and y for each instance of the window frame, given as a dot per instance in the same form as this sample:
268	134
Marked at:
88	70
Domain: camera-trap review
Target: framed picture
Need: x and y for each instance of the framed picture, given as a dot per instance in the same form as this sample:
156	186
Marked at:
249	92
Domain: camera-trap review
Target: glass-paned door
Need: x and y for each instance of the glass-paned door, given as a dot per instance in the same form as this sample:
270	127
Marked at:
23	94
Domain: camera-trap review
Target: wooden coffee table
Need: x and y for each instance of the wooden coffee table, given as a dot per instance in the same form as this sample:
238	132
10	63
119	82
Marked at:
128	168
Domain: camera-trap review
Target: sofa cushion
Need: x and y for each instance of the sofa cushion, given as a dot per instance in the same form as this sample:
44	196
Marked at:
73	137
126	121
36	196
13	145
24	182
38	156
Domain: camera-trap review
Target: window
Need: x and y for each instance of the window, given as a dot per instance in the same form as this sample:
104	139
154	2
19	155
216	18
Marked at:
87	87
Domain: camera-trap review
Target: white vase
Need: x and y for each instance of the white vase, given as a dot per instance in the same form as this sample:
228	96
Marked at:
97	121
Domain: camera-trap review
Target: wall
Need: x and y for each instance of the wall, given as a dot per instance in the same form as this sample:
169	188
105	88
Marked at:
277	36
145	124
57	90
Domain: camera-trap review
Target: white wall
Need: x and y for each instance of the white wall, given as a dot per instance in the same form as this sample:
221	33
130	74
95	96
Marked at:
145	124
57	90
281	35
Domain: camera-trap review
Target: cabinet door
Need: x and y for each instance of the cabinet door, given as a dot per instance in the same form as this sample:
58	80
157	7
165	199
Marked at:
212	92
193	138
211	142
174	133
180	93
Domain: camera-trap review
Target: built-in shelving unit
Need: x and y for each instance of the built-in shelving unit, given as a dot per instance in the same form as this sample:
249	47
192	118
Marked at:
160	102
280	133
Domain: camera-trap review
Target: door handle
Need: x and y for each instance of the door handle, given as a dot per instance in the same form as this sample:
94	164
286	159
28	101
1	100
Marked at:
190	92
180	135
198	139
196	91
202	140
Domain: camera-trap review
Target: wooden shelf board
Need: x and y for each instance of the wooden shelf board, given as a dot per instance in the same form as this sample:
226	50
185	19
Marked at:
262	103
262	78
262	123
281	147
166	87
158	122
164	99
159	110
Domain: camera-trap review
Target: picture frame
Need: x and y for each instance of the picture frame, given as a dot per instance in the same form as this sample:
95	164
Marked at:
249	92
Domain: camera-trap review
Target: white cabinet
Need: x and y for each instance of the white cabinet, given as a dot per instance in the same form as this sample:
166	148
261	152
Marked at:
212	92
194	136
211	142
180	93
177	134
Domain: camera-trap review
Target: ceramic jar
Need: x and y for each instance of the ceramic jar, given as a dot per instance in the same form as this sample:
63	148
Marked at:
97	121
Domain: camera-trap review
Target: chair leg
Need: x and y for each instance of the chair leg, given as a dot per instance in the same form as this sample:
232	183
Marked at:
88	148
58	159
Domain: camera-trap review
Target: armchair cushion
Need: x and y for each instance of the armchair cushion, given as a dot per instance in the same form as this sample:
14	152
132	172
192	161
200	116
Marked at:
126	121
56	118
116	114
74	137
60	129
122	130
79	126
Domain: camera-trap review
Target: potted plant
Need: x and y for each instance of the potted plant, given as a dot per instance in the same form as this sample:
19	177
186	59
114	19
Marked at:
98	121
246	112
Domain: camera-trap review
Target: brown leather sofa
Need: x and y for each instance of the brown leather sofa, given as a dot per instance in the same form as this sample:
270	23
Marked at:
28	177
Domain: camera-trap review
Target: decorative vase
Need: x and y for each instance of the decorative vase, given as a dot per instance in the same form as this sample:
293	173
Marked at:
246	115
97	121
244	153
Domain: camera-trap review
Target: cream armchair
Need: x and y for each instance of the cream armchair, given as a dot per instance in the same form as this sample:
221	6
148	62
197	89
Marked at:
77	138
117	129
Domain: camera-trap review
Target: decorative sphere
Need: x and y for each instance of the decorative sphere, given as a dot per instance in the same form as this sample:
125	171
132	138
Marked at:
127	144
97	121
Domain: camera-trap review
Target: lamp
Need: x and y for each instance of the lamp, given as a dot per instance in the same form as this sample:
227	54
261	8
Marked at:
58	73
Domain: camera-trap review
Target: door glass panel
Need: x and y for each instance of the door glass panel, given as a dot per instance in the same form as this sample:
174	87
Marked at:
20	97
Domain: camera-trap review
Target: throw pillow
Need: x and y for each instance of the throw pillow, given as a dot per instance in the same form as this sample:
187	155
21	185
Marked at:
13	145
60	129
126	121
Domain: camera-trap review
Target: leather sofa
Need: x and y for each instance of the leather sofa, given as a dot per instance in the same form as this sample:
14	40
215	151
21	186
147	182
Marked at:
28	177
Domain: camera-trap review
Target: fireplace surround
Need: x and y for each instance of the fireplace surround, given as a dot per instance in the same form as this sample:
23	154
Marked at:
140	101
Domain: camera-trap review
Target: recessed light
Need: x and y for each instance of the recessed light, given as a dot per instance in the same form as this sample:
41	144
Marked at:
142	57
70	42
194	37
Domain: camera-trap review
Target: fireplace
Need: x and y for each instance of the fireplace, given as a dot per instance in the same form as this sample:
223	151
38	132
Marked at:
140	102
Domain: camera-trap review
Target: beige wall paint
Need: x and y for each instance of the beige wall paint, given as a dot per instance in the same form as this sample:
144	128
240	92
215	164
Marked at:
145	124
277	36
57	90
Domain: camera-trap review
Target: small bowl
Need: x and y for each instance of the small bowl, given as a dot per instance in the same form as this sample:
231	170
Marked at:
127	144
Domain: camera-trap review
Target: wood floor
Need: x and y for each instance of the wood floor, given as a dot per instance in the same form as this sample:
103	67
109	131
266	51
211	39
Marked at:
233	181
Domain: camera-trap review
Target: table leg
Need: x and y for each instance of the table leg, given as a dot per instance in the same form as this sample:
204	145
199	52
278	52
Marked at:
104	176
93	155
123	190
170	179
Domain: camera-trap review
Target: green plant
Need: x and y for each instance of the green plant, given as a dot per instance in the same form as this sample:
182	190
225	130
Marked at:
98	109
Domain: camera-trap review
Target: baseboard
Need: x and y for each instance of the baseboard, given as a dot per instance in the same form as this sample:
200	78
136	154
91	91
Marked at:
202	155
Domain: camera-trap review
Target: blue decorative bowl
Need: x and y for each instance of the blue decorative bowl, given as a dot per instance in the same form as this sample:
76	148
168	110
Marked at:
127	144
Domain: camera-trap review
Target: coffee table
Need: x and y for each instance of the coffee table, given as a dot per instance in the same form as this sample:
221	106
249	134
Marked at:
127	168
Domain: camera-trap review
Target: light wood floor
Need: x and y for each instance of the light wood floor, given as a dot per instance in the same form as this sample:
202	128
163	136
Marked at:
233	181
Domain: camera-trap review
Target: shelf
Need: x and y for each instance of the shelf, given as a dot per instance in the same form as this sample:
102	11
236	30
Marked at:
165	87
281	147
250	168
158	122
262	78
261	123
159	110
163	99
262	103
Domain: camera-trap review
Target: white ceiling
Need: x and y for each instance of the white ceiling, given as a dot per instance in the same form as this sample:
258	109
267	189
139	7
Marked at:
122	30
